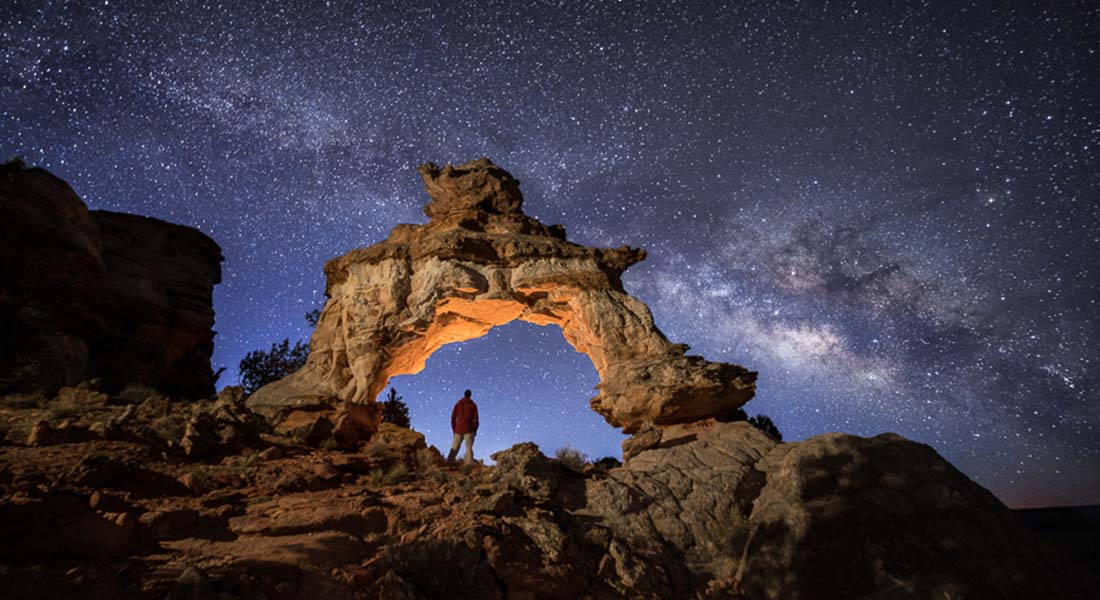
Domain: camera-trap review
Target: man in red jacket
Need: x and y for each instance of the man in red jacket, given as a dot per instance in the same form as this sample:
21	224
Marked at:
464	423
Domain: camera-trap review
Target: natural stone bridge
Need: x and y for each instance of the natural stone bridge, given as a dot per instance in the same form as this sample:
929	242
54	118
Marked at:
480	262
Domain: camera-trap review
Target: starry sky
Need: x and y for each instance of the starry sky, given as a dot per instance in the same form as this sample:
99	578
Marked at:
891	210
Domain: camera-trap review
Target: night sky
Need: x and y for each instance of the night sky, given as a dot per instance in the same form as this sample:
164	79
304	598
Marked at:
890	210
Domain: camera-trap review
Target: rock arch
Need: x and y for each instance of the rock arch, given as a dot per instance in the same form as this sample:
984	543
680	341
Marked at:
477	264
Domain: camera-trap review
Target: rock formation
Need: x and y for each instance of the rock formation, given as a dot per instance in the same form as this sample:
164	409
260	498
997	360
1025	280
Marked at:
477	264
118	503
115	495
95	294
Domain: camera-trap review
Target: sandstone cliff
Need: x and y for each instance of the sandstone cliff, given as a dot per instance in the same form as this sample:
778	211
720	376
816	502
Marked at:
95	294
479	263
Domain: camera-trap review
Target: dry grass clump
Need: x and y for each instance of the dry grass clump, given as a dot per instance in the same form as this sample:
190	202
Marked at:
379	477
23	400
571	458
136	393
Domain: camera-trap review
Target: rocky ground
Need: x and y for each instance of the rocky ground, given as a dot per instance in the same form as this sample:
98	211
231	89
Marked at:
137	497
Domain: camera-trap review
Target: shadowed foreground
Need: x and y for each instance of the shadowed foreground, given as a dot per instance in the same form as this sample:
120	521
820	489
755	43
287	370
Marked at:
152	498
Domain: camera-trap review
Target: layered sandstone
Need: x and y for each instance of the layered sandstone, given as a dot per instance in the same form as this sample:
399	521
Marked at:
94	294
480	262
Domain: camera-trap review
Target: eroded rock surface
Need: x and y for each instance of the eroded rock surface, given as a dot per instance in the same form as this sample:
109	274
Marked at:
706	510
95	294
480	263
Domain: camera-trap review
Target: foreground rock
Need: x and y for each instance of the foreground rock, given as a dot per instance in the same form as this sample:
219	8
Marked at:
95	294
173	497
480	263
860	516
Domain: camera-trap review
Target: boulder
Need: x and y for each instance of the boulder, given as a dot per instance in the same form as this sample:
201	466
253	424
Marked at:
201	437
480	262
861	517
678	511
306	427
122	298
44	434
525	469
396	442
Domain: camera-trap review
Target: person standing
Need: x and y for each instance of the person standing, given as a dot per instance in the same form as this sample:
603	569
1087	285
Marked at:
464	423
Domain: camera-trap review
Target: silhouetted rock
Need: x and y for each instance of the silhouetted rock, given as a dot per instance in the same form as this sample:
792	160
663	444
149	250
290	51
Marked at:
860	516
123	298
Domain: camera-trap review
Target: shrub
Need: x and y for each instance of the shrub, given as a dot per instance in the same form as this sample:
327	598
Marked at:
313	316
135	393
168	428
244	464
394	410
608	462
437	568
27	400
571	458
395	474
61	410
200	478
762	422
765	424
375	449
259	368
427	461
378	477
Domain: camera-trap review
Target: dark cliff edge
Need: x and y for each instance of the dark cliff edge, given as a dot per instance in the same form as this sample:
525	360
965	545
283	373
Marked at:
88	294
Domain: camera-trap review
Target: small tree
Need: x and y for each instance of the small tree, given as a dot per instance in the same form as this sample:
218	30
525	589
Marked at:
313	316
764	423
259	368
394	410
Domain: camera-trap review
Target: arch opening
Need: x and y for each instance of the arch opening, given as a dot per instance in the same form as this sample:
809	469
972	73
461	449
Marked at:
529	385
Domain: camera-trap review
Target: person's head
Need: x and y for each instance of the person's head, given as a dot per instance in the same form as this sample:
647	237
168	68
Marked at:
467	394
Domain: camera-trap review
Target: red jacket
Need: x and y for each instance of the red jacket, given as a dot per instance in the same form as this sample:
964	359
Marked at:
464	417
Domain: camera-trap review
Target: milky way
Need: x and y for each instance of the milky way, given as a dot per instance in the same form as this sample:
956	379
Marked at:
888	209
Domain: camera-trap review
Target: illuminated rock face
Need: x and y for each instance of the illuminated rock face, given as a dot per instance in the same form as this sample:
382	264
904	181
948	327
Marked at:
480	263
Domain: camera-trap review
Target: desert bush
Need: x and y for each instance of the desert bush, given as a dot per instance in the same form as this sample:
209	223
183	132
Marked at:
375	449
426	461
59	410
437	568
313	317
379	477
396	473
169	428
259	368
762	422
244	464
373	478
608	462
135	393
394	410
23	401
571	458
200	478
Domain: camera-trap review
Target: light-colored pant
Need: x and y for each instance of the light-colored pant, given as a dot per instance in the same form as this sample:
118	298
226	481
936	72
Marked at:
469	437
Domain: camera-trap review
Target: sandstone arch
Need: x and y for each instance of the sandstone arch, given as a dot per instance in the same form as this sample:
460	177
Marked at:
480	263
